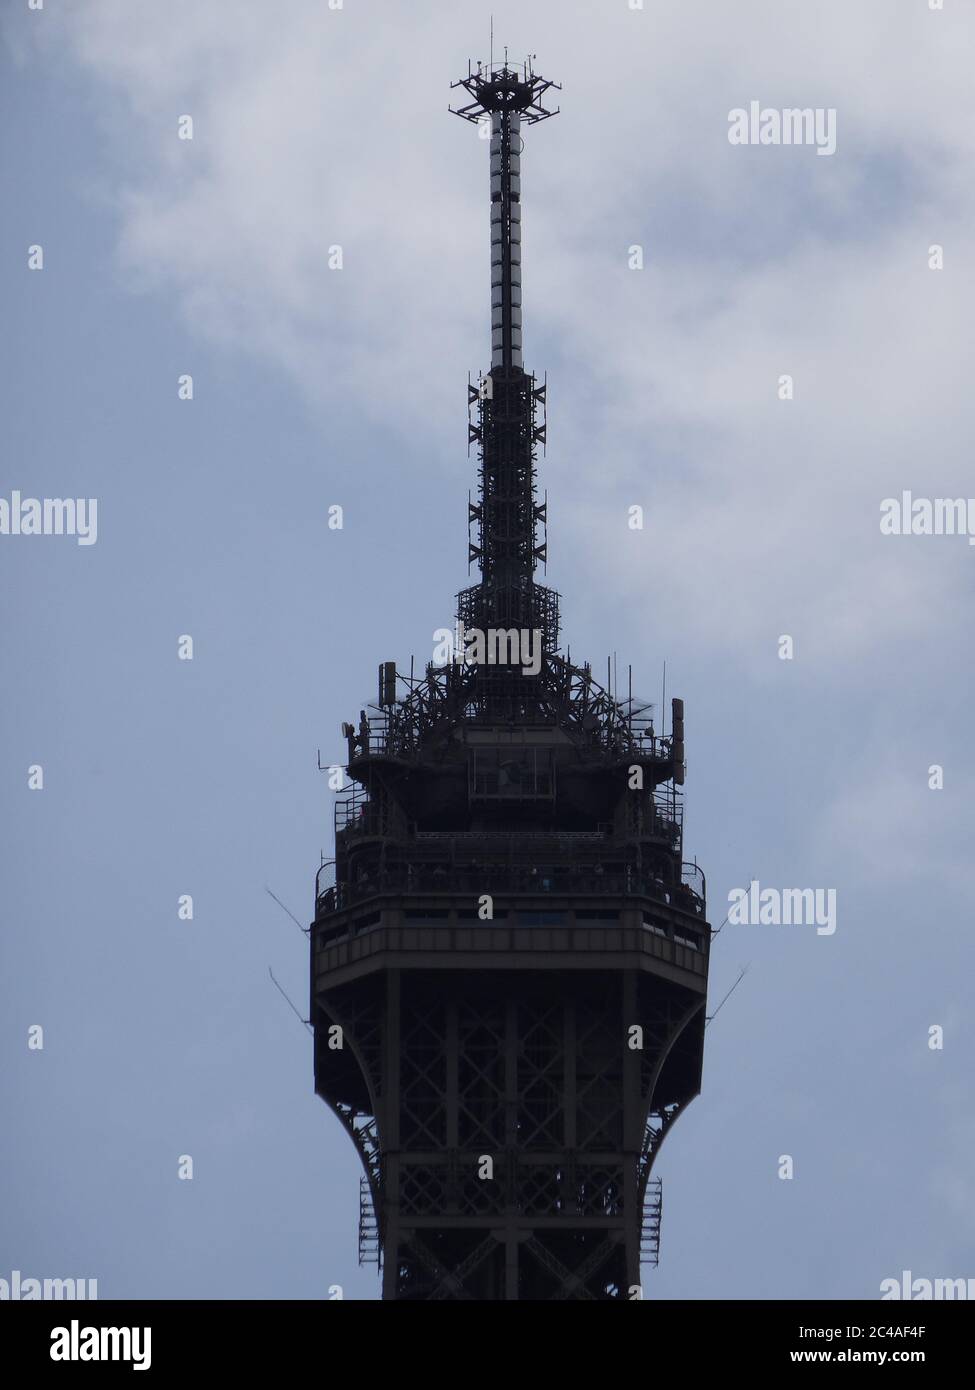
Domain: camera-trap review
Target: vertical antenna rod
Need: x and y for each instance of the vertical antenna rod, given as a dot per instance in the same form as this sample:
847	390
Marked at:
506	98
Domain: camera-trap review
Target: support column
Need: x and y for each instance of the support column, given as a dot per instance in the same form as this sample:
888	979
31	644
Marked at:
633	1123
390	1230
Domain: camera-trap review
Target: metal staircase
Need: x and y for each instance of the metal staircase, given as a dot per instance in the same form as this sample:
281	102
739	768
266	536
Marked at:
370	1251
650	1229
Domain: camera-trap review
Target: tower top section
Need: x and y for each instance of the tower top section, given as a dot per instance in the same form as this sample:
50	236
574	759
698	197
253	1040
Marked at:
505	89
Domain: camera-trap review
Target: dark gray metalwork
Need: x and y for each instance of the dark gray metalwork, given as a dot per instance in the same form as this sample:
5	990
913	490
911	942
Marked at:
509	953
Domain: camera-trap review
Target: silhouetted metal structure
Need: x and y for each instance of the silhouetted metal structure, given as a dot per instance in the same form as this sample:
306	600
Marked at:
509	955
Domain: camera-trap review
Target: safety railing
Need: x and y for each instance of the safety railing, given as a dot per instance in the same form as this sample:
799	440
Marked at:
476	880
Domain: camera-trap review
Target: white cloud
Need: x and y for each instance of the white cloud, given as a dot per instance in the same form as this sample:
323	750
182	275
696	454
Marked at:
322	127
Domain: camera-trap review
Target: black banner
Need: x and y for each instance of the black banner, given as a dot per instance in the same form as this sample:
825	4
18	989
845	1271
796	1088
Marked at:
170	1338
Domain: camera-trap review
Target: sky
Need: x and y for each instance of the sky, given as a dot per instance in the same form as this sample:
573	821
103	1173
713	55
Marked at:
315	387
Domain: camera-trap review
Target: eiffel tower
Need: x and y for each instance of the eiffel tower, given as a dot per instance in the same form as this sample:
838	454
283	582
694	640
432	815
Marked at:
509	954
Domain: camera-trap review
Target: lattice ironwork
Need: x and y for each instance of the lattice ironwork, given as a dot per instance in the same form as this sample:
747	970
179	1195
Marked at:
598	1078
481	1077
423	1074
423	1189
483	1196
541	1063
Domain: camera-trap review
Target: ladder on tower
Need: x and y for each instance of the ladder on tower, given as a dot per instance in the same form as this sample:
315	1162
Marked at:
650	1230
370	1251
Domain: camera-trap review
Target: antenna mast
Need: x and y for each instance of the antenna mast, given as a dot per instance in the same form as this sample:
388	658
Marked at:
507	401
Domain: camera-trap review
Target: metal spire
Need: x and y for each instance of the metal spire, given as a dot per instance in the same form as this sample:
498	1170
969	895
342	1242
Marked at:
507	401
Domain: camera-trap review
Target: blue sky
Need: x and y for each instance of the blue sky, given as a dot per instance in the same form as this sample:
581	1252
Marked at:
311	388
